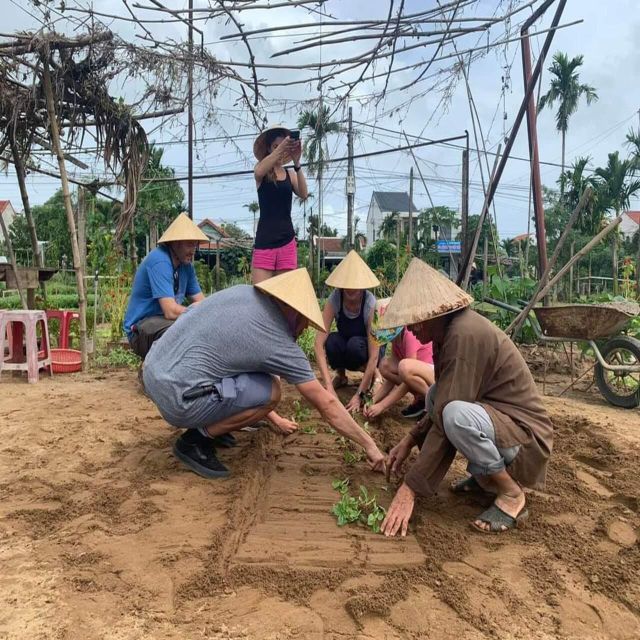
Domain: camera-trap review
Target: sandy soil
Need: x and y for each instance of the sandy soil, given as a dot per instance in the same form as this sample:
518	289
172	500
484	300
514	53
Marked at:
103	534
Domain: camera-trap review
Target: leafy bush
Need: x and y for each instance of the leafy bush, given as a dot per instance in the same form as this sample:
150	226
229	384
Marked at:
204	275
306	342
118	358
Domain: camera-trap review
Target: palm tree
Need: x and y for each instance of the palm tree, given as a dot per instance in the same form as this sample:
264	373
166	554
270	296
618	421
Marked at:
616	186
633	141
565	88
389	226
575	182
315	149
254	207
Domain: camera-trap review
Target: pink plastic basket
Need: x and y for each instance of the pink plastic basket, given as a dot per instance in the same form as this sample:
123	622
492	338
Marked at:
65	360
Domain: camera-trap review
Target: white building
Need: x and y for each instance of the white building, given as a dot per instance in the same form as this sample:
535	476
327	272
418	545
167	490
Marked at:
630	223
8	214
382	204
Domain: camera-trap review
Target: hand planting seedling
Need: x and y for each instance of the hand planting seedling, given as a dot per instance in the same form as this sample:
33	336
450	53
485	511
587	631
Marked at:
364	509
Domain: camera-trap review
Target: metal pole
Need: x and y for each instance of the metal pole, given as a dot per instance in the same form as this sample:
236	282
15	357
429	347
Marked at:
463	276
351	183
536	181
464	209
190	113
411	211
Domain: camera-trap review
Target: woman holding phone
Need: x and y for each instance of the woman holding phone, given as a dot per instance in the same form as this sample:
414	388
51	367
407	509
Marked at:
275	249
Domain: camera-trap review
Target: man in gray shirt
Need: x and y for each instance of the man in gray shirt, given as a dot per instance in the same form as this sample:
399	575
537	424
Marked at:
216	368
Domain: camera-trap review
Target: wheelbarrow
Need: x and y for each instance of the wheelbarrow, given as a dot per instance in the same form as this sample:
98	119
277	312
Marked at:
617	367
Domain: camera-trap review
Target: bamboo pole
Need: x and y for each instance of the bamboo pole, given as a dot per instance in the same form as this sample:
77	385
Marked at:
24	194
77	265
514	327
12	260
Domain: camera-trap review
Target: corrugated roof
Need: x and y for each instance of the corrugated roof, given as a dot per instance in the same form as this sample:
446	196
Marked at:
393	201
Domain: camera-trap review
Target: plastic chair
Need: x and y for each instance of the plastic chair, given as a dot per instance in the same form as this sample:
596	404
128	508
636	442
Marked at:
21	325
64	316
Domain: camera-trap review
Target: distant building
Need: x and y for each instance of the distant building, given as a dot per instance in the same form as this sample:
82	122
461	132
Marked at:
8	214
332	249
630	223
382	204
212	230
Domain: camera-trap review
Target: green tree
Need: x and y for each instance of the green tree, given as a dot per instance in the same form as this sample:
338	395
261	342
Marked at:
254	208
315	144
20	240
234	231
633	142
389	227
566	89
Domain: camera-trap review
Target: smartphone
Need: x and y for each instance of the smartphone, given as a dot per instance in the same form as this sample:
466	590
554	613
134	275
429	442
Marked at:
294	134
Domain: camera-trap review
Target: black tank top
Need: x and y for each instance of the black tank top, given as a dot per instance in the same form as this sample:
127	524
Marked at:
275	228
351	327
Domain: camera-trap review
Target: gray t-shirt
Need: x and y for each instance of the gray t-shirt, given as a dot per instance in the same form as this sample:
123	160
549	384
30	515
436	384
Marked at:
237	330
369	305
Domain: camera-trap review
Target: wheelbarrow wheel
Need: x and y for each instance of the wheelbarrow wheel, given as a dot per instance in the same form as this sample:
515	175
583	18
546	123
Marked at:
621	389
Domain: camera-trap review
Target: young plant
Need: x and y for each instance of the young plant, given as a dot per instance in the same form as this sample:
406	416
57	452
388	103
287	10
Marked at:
346	510
308	429
301	412
351	457
364	509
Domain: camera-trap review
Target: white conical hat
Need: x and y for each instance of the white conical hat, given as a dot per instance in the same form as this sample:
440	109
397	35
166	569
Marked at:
294	288
352	273
183	228
260	150
423	294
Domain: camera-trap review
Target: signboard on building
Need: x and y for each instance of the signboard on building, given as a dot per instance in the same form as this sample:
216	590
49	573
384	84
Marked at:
448	246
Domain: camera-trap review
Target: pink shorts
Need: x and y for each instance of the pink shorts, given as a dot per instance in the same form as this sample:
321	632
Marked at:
283	258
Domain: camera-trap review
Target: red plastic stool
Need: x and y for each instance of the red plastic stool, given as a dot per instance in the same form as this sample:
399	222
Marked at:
21	325
65	316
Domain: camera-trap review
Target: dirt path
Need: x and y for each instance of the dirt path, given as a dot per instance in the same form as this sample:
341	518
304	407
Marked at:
103	534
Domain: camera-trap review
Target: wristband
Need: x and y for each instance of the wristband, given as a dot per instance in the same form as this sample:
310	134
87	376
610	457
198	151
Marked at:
296	169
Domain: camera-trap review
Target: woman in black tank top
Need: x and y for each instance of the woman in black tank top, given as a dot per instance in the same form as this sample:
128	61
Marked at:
276	185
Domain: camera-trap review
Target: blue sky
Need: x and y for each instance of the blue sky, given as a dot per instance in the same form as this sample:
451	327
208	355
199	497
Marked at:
607	38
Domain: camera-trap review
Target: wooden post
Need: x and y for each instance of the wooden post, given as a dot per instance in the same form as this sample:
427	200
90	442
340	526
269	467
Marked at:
485	271
14	264
573	246
464	209
614	262
82	228
24	194
55	141
411	211
217	265
638	266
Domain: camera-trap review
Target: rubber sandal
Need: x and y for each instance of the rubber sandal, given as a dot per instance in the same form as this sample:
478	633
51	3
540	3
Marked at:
496	518
469	486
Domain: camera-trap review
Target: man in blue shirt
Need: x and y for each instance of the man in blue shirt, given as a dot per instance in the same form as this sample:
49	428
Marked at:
162	282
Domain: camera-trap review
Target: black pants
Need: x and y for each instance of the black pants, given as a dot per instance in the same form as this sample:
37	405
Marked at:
146	332
351	354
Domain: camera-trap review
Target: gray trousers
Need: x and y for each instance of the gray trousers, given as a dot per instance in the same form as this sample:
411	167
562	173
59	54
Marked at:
146	332
469	429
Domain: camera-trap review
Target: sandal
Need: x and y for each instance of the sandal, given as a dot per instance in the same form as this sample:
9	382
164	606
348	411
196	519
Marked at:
496	518
469	485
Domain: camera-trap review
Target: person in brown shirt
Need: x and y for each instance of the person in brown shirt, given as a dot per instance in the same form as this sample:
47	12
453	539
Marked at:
485	405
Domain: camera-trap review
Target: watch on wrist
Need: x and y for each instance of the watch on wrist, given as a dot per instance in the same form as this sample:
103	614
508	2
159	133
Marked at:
361	395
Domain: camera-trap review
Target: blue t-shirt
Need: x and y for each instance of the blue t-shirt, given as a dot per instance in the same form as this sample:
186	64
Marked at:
154	280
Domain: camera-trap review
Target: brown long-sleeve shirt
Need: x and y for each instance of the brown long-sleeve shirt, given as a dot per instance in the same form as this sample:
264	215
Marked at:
477	362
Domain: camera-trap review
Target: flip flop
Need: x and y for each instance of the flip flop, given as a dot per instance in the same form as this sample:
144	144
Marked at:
469	486
496	518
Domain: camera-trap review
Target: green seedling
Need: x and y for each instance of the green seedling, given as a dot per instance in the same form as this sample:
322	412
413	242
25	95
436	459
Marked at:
351	457
364	509
308	429
346	510
301	412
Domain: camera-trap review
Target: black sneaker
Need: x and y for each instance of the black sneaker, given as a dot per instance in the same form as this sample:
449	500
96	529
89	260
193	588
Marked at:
199	454
415	410
226	441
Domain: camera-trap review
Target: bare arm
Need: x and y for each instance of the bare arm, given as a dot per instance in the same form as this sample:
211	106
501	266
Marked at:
321	357
171	309
279	156
298	180
338	417
197	297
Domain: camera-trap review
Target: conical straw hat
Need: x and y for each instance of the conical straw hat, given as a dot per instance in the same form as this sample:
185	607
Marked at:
183	228
294	288
352	273
260	150
423	294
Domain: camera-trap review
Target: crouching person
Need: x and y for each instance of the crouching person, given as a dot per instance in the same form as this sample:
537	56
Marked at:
485	405
216	369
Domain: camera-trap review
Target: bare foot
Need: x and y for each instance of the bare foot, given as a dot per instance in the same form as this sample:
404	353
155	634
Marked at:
510	504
